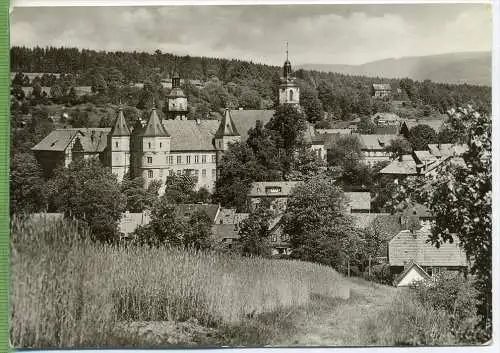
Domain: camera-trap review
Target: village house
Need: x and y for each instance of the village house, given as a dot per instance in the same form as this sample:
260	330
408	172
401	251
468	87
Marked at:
386	123
412	246
427	162
381	90
156	148
408	124
373	148
275	192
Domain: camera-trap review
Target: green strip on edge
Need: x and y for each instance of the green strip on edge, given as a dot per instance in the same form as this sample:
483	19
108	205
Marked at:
4	175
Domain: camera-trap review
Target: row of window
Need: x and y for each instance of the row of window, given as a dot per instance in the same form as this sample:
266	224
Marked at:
178	160
179	172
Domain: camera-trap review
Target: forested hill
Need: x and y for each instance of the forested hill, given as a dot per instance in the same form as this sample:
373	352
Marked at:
467	67
241	83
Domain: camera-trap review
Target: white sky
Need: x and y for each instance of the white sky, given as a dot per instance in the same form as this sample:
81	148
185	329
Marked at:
320	34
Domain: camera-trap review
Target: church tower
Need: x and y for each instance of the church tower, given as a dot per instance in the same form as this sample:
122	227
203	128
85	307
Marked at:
153	149
289	90
177	106
119	147
226	134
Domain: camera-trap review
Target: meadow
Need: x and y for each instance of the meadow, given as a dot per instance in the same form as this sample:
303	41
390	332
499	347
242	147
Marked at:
69	292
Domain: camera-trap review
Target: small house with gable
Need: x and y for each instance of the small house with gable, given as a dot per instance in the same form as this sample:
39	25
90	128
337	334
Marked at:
381	90
412	246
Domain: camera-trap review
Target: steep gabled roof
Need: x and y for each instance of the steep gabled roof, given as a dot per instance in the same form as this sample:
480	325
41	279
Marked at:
227	126
93	140
406	246
120	128
154	127
191	135
245	120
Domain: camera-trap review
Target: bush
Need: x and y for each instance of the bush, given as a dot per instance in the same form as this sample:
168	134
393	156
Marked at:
380	274
455	295
408	322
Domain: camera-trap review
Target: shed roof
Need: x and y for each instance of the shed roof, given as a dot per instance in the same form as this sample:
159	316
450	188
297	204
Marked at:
406	246
187	210
359	200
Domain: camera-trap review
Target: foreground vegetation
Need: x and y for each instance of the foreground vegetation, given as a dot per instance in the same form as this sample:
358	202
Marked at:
70	292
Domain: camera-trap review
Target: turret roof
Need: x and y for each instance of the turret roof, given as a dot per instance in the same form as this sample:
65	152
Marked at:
120	128
154	126
226	126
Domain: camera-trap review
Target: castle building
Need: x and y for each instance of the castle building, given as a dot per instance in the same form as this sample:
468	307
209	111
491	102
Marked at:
160	148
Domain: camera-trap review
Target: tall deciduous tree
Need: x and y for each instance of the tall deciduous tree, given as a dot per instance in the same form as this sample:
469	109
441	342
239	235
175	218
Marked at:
398	146
366	126
26	184
90	192
460	199
421	136
254	232
316	222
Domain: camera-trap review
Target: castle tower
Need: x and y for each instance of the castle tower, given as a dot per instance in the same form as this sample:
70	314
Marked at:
289	90
151	150
226	134
177	106
119	147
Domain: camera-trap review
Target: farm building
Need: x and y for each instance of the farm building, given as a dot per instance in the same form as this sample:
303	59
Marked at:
409	246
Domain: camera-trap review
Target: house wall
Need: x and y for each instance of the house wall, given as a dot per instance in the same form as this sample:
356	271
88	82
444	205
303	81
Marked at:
371	157
202	165
412	276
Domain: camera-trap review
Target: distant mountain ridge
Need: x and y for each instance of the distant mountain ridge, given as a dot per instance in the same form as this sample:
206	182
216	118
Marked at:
466	67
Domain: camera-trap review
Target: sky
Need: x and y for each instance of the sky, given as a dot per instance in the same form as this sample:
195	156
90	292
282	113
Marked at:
317	34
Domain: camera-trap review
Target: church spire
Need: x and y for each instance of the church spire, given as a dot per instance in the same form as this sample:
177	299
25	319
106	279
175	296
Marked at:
287	67
120	128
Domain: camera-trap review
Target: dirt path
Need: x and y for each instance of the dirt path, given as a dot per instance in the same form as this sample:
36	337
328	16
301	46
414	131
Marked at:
341	324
